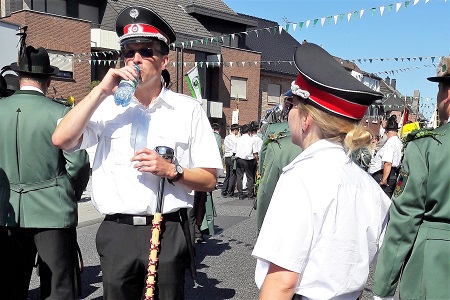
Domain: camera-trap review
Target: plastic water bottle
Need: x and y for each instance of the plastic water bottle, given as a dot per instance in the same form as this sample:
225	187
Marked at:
126	89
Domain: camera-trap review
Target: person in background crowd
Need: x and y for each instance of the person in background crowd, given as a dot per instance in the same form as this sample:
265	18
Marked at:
279	152
416	249
258	143
229	145
332	213
9	83
385	165
135	168
166	78
245	160
39	187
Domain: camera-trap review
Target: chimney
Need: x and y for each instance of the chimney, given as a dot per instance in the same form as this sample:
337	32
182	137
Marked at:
388	80
393	83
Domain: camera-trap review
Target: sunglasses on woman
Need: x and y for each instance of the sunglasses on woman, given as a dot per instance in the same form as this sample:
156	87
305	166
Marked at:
144	52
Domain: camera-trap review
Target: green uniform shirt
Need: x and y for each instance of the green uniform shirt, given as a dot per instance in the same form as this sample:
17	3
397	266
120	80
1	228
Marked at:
277	152
39	183
416	248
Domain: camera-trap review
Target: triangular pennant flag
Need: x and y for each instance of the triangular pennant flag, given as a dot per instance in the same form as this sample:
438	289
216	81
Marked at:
280	28
307	23
381	10
341	16
287	27
256	31
232	36
328	19
322	21
294	26
89	61
426	1
231	63
301	25
207	64
335	19
415	2
390	8
397	6
361	13
355	14
315	21
349	15
373	9
407	3
173	64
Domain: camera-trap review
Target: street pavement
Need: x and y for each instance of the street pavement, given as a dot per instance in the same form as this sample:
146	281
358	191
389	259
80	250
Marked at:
225	267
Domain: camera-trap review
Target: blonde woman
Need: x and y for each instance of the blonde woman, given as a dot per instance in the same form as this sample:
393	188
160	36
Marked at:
333	212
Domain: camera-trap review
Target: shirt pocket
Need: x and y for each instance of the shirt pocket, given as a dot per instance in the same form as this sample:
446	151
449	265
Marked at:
121	150
178	141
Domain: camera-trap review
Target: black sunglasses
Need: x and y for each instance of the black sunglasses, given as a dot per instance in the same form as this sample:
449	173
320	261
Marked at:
144	52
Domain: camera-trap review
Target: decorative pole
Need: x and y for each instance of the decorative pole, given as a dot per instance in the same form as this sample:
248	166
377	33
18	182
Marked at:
150	281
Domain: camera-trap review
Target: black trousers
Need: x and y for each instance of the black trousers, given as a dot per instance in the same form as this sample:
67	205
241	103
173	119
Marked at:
230	177
247	167
57	258
124	250
391	182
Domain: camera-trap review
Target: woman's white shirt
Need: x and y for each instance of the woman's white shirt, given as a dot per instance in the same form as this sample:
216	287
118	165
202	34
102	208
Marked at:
324	222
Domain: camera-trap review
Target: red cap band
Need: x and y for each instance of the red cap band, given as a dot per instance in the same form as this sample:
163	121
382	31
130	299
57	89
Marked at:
143	28
332	102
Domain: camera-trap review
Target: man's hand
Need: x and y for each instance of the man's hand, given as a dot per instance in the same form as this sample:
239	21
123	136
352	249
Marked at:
150	161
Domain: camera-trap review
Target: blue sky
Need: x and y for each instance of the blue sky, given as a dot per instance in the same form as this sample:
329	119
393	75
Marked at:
421	30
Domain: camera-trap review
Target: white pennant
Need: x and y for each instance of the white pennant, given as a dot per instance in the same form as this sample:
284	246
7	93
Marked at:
322	21
397	6
361	12
307	23
192	43
415	2
349	15
294	26
335	19
195	64
232	36
173	64
426	1
243	63
185	64
231	63
207	64
381	10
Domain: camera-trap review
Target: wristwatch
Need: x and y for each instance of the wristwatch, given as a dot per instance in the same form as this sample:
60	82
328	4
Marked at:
178	174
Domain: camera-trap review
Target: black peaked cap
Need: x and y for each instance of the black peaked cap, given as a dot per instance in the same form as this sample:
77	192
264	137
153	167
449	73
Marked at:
142	15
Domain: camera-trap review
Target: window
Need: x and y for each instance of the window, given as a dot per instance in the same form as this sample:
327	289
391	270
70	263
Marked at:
238	88
89	12
273	93
64	61
57	7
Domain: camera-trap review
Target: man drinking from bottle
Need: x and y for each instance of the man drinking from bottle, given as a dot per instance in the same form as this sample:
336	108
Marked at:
126	171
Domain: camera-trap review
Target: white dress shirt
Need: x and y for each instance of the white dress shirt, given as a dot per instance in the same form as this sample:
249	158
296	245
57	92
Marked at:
245	147
172	120
229	145
332	214
390	152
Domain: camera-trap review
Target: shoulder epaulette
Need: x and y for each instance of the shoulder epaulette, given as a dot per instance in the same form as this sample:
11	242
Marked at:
61	101
274	137
420	133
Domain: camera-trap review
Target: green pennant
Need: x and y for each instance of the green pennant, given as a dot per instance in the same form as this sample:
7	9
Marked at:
315	21
373	9
341	16
407	3
300	24
390	7
287	27
355	14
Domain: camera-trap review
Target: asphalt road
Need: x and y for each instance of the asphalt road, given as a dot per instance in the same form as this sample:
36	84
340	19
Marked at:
225	266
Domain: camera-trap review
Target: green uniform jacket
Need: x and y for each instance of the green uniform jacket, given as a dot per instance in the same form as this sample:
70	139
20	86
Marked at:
39	183
275	155
416	248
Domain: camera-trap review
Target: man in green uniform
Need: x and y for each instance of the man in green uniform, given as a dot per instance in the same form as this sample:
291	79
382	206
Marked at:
39	187
416	247
277	151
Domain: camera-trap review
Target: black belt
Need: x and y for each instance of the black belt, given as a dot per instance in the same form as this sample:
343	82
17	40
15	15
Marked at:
139	220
